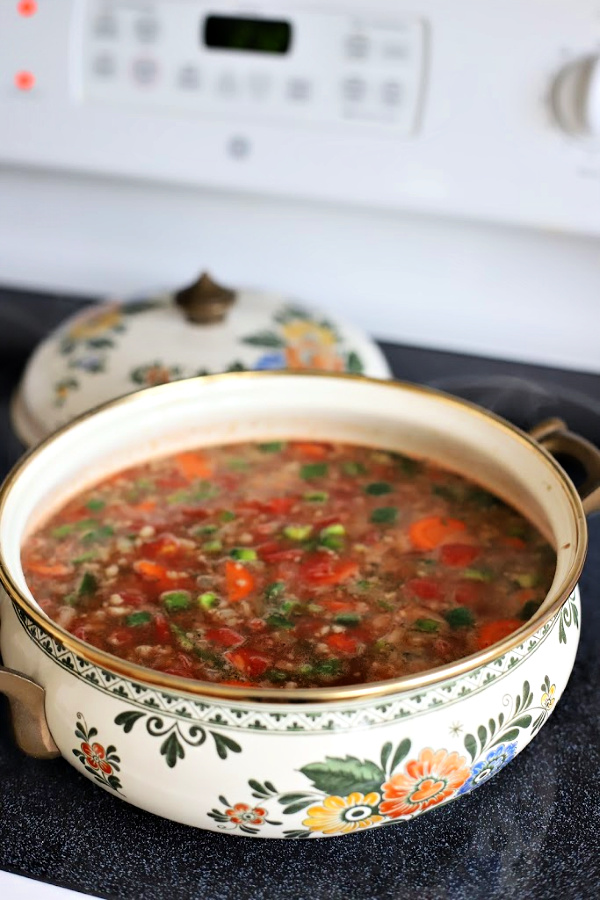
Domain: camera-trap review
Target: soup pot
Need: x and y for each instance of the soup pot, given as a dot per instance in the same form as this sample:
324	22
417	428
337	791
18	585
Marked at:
276	762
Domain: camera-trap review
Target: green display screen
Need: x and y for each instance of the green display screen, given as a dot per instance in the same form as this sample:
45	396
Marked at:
241	33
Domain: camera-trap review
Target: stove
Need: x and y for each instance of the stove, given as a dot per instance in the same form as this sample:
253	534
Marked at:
532	832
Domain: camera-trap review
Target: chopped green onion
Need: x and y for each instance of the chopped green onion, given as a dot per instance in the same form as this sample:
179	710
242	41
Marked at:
271	447
205	529
85	557
332	541
377	488
353	468
364	585
347	619
92	536
327	667
297	532
95	505
478	574
288	605
175	601
138	618
316	496
384	515
274	590
71	600
336	528
385	604
276	675
238	465
88	585
459	617
208	600
212	546
181	637
227	516
69	527
427	625
276	620
314	609
313	470
243	553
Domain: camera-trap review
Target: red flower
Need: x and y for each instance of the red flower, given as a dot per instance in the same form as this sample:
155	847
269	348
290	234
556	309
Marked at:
426	781
95	757
243	814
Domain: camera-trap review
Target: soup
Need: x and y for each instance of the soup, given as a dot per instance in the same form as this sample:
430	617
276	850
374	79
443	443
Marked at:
291	564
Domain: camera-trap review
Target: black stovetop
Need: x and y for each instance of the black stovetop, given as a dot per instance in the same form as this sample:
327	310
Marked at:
532	832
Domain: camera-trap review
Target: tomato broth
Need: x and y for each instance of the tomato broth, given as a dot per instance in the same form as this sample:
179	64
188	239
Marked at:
290	564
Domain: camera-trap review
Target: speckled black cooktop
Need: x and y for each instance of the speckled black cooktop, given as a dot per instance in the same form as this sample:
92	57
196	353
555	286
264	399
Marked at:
532	832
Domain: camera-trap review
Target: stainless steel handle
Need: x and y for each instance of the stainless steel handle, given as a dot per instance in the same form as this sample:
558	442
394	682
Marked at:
554	436
26	699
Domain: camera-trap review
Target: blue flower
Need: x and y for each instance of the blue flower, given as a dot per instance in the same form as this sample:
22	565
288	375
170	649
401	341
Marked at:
88	363
271	361
496	759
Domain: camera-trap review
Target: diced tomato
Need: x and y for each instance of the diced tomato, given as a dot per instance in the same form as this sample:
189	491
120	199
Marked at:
194	465
279	506
164	545
322	568
430	532
132	598
247	662
227	637
337	606
312	450
496	631
469	593
458	554
425	588
240	582
162	632
145	506
151	571
273	551
339	641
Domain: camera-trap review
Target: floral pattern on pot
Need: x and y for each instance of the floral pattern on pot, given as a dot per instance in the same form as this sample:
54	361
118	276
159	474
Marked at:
240	815
349	794
101	762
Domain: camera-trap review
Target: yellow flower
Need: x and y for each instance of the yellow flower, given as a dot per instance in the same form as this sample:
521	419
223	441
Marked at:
345	814
548	700
306	332
94	323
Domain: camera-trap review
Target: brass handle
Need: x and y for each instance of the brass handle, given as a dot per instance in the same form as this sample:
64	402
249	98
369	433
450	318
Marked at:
29	723
554	436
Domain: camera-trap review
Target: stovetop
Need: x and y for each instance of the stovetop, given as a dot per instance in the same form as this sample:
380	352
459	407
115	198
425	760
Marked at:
532	832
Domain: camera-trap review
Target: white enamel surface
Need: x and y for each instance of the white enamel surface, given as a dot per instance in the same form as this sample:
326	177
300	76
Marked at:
161	339
234	408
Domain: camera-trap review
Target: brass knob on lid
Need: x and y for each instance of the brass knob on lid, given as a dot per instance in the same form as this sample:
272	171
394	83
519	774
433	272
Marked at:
205	302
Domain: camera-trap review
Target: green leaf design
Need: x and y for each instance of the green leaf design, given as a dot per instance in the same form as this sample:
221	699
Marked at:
296	807
343	776
562	635
297	835
471	746
264	339
575	615
401	751
354	363
128	719
385	755
225	744
482	735
294	798
522	722
172	750
511	735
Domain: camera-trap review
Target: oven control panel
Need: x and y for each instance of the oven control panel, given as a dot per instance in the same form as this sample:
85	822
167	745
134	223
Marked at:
289	67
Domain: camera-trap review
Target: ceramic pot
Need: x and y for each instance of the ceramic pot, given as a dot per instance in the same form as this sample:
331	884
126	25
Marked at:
307	762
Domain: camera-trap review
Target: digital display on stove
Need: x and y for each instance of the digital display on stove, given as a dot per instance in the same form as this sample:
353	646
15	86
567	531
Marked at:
242	33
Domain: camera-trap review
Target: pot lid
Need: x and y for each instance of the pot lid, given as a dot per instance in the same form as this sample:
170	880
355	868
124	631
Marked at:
117	347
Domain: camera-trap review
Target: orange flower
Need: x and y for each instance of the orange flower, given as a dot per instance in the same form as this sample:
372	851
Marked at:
243	814
95	757
425	782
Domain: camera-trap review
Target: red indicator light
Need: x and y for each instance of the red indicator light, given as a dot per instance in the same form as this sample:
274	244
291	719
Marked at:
24	81
27	7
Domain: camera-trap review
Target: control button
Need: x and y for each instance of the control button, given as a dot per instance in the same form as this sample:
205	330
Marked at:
259	84
226	85
357	46
396	52
354	89
392	93
189	78
298	89
104	65
147	29
105	26
145	71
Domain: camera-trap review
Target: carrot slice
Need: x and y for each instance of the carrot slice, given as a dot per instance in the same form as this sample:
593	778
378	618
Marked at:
314	451
341	642
194	465
239	581
493	632
430	532
150	570
51	571
144	506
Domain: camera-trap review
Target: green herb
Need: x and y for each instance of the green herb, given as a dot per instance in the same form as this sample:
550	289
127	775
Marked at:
364	585
276	675
95	505
377	488
328	667
382	646
427	625
174	601
529	609
69	527
276	620
353	468
313	470
205	529
227	516
203	490
336	528
85	557
138	618
288	606
479	574
297	532
314	609
526	580
349	619
384	515
386	605
274	590
459	617
332	542
316	496
238	465
271	447
408	465
181	637
208	600
71	600
212	546
100	534
88	585
243	553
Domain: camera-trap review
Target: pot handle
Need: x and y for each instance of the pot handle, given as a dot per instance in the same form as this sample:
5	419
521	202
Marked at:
30	727
554	436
